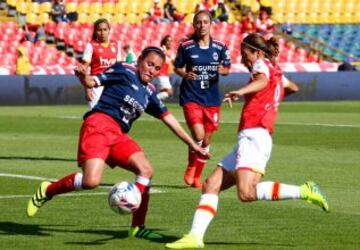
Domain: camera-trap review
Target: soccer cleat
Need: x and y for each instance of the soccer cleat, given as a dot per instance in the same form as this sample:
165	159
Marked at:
188	241
197	183
189	175
38	200
144	233
310	192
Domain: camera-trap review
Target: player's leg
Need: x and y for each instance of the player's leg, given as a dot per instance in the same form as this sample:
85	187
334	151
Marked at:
127	154
253	153
219	180
211	117
93	149
194	119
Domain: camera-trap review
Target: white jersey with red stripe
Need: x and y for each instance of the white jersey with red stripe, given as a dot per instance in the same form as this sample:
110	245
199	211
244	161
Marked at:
101	56
261	108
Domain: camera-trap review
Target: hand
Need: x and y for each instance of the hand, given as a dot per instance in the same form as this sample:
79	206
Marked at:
200	151
88	94
80	70
190	76
232	96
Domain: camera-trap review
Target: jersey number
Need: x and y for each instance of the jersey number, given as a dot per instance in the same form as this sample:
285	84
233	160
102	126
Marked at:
204	84
277	96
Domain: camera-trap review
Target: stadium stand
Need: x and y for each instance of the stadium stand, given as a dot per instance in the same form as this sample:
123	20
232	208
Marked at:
303	50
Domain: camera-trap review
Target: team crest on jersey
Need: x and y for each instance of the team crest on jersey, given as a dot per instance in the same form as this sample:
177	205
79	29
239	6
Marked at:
134	87
101	50
227	54
215	56
113	50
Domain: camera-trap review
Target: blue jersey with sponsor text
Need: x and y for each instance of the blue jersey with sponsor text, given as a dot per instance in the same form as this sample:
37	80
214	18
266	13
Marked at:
125	98
204	62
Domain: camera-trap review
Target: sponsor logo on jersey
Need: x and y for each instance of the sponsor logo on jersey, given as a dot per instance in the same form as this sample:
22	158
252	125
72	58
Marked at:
215	56
227	54
106	62
194	56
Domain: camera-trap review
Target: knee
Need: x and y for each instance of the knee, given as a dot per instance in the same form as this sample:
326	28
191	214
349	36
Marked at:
90	183
209	186
146	171
247	194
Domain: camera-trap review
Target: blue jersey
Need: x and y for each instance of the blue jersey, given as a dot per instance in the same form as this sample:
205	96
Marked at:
125	98
204	63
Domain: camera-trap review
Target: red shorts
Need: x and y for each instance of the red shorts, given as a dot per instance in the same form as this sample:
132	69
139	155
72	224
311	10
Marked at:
101	137
197	114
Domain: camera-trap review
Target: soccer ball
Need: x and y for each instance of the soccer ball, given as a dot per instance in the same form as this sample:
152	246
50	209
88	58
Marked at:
124	198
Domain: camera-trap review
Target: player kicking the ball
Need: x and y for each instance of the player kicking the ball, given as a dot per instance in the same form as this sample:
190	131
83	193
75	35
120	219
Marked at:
245	165
104	139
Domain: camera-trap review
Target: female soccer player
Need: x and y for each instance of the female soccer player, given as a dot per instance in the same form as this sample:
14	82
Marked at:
245	165
104	139
199	61
99	54
162	82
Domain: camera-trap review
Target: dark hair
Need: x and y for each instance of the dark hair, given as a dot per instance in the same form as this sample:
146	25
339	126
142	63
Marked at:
96	25
273	47
206	12
255	42
164	40
151	49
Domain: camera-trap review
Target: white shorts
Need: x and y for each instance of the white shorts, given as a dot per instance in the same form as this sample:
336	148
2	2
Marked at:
162	82
251	152
96	92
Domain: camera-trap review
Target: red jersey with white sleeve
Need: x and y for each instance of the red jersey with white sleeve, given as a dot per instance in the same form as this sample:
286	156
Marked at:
165	69
101	55
261	108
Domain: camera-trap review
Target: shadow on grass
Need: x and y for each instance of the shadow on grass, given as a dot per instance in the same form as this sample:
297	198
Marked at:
11	228
154	186
30	158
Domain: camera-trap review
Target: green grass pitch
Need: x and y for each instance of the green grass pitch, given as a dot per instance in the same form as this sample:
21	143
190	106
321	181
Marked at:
317	141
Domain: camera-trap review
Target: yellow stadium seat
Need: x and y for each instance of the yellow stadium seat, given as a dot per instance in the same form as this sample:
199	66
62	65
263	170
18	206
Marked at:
108	8
93	17
278	7
32	18
12	3
45	7
300	17
71	7
83	17
44	18
131	18
120	7
290	7
21	7
95	7
33	7
289	17
119	18
278	17
84	7
107	16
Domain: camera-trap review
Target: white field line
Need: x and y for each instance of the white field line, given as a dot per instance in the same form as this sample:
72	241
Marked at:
30	177
236	122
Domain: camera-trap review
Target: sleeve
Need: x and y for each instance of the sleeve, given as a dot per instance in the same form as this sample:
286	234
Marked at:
110	76
260	67
88	52
118	56
285	81
180	57
225	57
156	107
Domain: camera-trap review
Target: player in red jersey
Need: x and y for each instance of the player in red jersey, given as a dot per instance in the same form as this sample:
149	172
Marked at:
200	61
99	54
245	165
162	82
103	135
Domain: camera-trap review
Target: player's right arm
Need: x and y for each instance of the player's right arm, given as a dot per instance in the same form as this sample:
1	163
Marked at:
289	86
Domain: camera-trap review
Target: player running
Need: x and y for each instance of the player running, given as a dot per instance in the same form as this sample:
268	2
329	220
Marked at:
245	165
104	139
99	54
199	61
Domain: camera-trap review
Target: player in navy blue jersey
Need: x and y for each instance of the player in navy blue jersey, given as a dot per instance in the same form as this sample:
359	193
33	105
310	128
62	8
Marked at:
199	61
103	135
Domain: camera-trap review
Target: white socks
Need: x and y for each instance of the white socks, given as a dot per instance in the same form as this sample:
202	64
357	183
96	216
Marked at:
269	190
78	181
204	214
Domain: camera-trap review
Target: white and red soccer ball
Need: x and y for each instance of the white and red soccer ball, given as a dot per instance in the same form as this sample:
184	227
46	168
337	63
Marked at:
124	198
